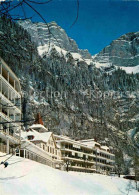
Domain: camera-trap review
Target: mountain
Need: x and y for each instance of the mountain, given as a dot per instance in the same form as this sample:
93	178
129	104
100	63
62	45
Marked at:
44	34
73	96
122	52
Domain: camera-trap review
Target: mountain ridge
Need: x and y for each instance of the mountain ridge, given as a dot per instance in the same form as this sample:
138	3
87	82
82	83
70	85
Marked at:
53	33
122	52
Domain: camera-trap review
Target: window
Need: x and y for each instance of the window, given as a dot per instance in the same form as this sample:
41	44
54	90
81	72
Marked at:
30	137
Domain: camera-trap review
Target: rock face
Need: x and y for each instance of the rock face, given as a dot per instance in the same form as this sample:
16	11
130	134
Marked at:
121	52
42	34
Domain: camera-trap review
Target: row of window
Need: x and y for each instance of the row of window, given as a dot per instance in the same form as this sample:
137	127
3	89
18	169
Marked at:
103	155
81	165
52	150
88	152
77	149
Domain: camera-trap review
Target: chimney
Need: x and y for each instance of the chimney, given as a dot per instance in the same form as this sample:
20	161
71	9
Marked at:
39	119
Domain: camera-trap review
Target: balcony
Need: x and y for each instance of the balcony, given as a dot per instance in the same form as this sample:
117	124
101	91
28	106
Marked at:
5	81
13	138
8	119
77	151
104	158
9	102
73	158
104	164
84	168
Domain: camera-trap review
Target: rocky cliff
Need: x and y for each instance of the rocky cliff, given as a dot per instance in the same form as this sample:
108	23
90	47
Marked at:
44	34
122	52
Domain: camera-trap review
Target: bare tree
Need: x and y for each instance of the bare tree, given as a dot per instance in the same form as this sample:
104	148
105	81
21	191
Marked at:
7	7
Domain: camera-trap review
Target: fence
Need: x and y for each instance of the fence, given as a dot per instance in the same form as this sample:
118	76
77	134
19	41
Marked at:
30	151
26	153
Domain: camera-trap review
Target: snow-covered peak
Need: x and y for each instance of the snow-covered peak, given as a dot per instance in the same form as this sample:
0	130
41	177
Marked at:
51	34
122	52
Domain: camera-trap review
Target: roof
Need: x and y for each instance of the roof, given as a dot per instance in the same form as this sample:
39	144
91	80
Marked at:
67	139
44	137
105	147
38	126
87	140
90	142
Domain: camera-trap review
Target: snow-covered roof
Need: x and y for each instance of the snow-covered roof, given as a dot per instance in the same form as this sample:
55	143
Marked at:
90	142
37	136
46	135
105	147
67	139
87	140
38	126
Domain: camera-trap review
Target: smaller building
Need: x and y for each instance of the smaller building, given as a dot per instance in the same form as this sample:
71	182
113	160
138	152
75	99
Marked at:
37	135
104	158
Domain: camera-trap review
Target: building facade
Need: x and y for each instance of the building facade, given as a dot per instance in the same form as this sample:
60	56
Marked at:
103	157
39	145
85	155
10	108
39	136
75	155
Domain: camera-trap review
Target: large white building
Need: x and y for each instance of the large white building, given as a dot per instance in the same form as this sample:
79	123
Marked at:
10	108
85	155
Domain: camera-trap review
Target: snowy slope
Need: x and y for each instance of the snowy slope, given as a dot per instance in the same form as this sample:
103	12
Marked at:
43	35
46	49
129	70
25	177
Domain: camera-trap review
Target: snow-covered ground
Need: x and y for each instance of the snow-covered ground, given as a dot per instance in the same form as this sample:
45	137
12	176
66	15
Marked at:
129	70
46	49
26	177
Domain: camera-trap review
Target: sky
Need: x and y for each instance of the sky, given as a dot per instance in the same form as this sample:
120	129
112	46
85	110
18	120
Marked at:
99	21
